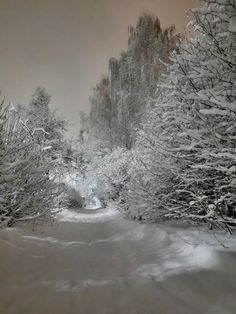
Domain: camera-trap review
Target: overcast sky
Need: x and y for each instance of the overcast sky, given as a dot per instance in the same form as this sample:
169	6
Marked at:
64	45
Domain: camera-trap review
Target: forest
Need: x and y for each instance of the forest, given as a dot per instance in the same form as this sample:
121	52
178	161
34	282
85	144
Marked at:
162	127
159	142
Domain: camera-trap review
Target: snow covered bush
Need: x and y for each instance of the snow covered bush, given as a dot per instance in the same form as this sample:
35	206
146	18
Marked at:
31	152
26	193
152	175
72	197
187	167
113	175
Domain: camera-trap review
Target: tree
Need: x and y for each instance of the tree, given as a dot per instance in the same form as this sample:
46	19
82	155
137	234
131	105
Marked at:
44	125
186	150
26	192
113	174
134	77
119	101
101	128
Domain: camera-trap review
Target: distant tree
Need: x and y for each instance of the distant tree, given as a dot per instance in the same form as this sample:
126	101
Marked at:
101	127
119	101
134	77
44	123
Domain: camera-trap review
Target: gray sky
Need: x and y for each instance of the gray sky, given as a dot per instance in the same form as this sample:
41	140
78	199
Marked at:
64	45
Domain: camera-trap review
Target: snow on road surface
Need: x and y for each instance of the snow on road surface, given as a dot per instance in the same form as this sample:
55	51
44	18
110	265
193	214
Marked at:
94	261
100	215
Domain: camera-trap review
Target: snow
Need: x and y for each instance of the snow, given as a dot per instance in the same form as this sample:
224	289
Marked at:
67	285
189	250
190	259
219	240
47	147
214	111
52	240
101	215
232	24
94	204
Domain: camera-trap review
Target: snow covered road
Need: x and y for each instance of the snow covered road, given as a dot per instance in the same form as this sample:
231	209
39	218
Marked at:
95	262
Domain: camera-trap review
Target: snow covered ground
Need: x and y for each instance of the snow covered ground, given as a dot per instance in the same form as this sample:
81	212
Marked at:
99	215
97	251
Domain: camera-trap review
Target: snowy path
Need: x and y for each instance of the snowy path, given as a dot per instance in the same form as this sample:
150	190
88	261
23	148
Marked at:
94	262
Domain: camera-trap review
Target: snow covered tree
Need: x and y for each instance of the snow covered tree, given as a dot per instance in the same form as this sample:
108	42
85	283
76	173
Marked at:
134	77
186	150
119	100
101	119
33	154
26	193
44	125
113	174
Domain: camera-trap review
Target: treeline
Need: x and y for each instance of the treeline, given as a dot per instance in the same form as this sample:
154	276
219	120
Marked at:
33	152
162	126
119	100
